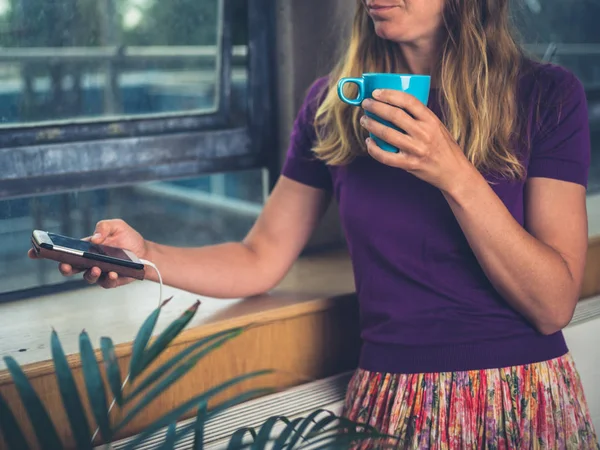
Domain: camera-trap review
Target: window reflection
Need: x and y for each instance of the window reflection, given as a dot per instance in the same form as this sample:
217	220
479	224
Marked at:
200	211
67	59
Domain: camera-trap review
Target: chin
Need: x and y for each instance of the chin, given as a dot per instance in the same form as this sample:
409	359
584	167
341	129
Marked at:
390	32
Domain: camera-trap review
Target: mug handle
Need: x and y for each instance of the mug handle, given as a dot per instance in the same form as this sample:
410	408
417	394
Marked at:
361	91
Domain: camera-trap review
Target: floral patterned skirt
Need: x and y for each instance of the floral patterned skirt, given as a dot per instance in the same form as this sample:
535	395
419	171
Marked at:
535	406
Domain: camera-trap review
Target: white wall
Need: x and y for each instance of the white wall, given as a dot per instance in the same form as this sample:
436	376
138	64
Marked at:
584	342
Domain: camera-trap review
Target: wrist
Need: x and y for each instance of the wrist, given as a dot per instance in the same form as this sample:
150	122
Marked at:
463	184
151	254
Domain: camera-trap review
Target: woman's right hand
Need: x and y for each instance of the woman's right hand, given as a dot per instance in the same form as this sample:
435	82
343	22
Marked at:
115	233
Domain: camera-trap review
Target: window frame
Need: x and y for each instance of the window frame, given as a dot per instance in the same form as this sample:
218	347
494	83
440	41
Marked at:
53	158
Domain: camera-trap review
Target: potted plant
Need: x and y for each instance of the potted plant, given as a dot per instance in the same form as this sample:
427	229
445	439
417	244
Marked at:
319	430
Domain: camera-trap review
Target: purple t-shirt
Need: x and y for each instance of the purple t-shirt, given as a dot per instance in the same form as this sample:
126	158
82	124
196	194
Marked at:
425	303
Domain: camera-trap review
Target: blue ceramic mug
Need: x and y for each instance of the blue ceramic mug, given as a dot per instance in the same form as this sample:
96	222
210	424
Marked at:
416	85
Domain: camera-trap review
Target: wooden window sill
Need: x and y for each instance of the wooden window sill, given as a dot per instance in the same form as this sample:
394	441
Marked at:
312	285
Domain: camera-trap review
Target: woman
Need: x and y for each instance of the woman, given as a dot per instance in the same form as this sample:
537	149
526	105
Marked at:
468	245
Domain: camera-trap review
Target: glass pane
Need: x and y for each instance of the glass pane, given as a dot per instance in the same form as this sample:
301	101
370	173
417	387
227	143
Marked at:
201	211
574	25
91	59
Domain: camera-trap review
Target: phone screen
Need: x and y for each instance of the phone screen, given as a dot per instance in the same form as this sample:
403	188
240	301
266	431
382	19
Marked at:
88	247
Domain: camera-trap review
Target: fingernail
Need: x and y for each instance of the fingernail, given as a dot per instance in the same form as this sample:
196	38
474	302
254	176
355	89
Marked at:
376	93
96	236
368	141
367	102
363	120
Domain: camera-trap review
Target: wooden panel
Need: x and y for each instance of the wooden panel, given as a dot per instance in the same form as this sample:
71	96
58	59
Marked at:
300	347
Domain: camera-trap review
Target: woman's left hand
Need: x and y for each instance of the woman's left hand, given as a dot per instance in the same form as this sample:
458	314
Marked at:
427	150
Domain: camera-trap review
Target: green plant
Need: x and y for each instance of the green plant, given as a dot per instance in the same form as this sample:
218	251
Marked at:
319	430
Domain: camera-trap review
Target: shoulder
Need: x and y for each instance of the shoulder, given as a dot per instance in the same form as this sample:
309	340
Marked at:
304	124
549	84
559	124
319	87
316	94
314	97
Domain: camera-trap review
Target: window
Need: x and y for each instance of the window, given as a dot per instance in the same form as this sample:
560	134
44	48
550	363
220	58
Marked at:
188	212
100	59
567	33
163	104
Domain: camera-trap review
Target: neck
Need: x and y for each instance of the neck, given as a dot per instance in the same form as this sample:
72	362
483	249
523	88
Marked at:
418	58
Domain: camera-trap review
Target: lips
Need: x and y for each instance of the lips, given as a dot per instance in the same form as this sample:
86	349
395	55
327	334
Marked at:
376	7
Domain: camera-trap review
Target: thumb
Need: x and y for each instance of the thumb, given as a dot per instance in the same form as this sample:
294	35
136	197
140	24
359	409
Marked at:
103	230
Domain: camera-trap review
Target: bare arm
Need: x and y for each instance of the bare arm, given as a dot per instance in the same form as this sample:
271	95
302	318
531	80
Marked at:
258	263
539	271
231	270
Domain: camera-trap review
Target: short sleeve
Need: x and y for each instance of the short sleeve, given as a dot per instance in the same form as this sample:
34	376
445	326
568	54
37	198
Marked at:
301	164
561	146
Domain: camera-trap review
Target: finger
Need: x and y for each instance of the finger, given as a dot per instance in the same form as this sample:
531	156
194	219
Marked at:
109	281
393	137
67	270
104	230
403	100
400	160
32	254
394	115
92	275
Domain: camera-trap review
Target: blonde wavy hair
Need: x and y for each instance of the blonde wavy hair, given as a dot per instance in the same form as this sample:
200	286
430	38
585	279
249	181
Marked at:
477	75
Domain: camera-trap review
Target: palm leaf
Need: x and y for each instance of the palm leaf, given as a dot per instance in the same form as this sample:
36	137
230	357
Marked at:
303	427
141	341
201	416
9	428
170	438
171	363
94	385
264	433
319	434
44	429
167	336
344	433
237	439
343	425
178	412
345	441
186	429
285	434
163	385
322	427
70	396
111	366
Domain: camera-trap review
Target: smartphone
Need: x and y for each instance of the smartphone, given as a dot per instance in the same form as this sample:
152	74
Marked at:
85	255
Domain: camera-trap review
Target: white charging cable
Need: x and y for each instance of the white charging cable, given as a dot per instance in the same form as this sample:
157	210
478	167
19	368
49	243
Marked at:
160	281
160	299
